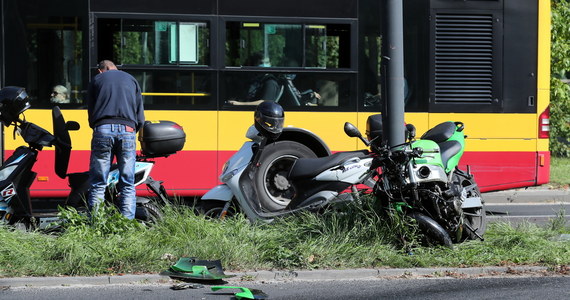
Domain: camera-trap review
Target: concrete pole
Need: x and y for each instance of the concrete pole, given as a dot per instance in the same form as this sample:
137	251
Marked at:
393	61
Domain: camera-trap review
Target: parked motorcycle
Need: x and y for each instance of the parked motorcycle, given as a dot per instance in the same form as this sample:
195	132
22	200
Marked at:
421	179
16	174
302	186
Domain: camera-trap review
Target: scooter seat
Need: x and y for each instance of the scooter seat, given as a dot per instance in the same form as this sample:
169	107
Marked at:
311	167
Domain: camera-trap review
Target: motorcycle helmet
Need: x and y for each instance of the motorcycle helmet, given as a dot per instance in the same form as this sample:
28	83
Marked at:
13	101
268	119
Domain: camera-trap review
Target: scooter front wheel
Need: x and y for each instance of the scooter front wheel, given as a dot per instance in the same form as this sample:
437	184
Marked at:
214	209
273	189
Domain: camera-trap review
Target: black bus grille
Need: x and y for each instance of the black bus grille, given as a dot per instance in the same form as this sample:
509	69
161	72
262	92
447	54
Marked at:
463	58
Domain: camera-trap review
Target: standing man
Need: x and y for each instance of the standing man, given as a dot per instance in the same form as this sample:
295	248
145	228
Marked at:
116	114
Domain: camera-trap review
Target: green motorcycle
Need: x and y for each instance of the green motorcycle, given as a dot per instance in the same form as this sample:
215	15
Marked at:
421	179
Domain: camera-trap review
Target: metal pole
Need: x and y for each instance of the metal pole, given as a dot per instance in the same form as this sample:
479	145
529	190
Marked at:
393	61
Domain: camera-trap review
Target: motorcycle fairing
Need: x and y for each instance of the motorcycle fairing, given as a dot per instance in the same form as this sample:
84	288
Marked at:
23	157
459	138
451	140
7	193
304	168
431	153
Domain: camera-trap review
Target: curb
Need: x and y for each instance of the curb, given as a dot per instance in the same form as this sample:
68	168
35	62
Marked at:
530	195
279	276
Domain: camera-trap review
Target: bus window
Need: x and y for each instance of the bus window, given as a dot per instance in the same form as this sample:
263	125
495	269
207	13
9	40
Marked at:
302	91
45	52
166	89
253	44
152	42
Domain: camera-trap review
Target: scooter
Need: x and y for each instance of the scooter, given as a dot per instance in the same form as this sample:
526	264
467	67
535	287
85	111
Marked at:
16	174
312	182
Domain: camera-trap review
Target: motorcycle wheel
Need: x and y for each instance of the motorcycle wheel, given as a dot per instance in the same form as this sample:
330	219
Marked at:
434	233
474	217
148	213
211	209
273	189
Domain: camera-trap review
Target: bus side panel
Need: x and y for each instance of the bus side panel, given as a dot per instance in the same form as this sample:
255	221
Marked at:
495	170
543	168
186	173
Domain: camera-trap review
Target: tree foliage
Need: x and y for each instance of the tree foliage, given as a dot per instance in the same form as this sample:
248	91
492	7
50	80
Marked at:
560	91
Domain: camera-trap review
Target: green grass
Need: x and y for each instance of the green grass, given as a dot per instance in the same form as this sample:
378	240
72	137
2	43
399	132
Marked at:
559	170
354	237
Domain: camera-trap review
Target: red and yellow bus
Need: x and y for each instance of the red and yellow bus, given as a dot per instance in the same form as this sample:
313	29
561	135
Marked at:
485	63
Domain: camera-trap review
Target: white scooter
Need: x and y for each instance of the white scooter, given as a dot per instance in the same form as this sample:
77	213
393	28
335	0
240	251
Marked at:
312	182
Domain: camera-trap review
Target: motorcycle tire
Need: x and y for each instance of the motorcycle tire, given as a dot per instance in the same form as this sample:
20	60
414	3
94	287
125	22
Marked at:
474	217
211	209
273	189
434	233
148	213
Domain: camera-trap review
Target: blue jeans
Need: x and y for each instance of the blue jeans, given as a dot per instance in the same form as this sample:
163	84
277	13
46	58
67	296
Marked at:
120	141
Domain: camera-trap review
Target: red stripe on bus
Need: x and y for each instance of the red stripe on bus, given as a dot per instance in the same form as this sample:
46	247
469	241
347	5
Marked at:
504	170
192	173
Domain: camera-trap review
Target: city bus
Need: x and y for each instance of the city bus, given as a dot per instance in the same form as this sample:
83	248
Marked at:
482	62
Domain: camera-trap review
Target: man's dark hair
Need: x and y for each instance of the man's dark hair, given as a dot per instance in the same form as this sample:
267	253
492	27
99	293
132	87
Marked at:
106	65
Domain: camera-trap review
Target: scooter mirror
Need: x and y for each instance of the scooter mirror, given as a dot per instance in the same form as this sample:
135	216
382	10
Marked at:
351	130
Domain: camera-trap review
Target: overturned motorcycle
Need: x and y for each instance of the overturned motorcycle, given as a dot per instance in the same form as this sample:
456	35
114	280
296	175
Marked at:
421	179
310	185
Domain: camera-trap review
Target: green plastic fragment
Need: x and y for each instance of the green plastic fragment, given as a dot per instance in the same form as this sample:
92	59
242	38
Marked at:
244	294
191	268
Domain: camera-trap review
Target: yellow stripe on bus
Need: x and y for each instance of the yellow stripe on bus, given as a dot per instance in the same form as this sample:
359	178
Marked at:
199	126
225	130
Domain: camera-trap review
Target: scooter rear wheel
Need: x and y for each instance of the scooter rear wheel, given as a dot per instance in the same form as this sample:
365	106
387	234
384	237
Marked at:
273	189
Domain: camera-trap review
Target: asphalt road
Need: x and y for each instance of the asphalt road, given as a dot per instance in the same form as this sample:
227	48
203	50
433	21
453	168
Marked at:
443	283
535	205
394	288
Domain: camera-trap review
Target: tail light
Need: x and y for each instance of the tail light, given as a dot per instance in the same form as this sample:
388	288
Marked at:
544	124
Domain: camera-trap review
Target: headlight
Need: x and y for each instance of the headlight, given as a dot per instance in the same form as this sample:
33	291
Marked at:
226	177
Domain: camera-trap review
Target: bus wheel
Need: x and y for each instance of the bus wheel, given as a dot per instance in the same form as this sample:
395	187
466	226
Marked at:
273	189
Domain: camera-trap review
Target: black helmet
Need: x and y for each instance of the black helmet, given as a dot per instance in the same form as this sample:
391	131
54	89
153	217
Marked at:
13	101
268	119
